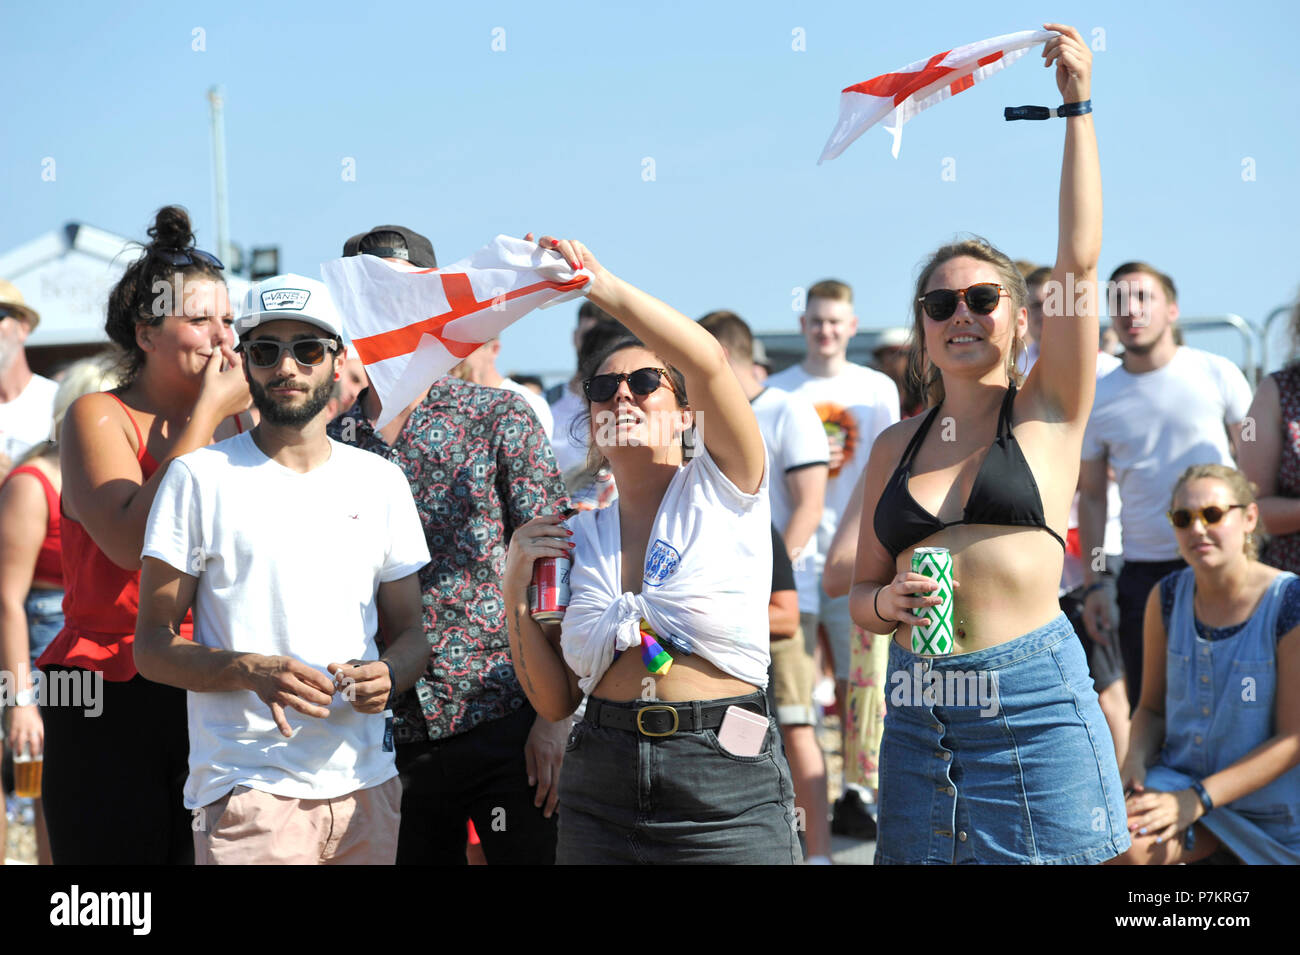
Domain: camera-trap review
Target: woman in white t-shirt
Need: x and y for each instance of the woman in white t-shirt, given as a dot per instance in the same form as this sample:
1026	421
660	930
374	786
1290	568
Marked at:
666	629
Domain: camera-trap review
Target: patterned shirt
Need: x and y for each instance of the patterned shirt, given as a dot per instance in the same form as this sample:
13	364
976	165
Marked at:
1283	550
479	466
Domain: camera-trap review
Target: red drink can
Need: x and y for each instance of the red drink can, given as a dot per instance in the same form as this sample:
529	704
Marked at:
548	594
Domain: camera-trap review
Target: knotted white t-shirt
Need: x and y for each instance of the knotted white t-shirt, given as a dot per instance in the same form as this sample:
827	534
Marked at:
706	582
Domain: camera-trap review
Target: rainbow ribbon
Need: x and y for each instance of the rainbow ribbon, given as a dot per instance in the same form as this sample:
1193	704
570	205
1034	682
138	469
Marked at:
655	657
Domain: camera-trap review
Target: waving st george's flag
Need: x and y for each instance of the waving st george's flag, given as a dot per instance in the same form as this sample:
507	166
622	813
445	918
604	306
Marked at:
410	328
899	96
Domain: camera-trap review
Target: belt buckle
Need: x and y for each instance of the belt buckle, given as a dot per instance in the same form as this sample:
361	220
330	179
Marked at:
677	720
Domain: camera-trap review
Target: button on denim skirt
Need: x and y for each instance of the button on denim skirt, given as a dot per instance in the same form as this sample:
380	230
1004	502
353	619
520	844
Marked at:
632	799
998	756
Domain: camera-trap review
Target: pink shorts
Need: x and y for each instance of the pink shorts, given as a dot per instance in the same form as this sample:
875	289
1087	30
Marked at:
250	827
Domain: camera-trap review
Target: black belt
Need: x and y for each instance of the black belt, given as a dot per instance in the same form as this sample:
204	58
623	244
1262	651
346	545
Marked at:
665	719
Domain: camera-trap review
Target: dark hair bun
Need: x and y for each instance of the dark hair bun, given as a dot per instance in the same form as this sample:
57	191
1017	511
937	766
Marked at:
171	229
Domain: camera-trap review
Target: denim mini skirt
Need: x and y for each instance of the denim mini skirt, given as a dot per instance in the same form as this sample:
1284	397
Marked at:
628	799
1001	755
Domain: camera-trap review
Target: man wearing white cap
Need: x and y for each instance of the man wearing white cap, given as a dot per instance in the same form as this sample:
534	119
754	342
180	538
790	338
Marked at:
293	550
26	400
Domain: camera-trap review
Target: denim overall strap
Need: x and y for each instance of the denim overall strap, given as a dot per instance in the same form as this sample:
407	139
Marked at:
1220	695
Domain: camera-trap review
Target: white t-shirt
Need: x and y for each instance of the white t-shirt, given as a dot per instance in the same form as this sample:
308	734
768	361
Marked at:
288	564
27	420
795	439
569	453
854	407
1152	427
705	586
535	401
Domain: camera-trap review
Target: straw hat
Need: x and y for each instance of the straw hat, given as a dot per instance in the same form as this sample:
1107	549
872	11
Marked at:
12	299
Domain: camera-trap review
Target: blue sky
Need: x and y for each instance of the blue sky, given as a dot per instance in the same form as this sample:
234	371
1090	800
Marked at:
552	132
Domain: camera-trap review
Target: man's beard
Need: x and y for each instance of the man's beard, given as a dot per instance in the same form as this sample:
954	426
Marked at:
1144	349
276	413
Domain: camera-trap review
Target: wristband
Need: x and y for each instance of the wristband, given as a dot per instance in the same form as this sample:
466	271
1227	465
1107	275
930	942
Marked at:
874	598
1043	112
392	685
1199	789
1098	585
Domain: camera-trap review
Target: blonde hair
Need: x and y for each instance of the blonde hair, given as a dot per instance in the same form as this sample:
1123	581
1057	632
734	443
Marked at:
923	373
832	289
100	372
1243	491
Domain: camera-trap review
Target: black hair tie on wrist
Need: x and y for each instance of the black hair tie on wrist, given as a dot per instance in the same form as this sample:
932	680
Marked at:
392	685
1044	112
874	608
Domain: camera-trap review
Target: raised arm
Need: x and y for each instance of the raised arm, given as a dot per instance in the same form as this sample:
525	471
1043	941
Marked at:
723	417
1065	374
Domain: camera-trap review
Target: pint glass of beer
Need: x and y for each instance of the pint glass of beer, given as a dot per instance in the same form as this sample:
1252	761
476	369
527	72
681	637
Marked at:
27	774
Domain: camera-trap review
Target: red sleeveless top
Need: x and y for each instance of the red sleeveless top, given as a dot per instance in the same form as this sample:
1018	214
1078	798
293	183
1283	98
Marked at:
49	566
101	599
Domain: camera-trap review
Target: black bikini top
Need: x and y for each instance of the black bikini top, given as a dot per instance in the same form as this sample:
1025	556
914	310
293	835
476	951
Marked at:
1004	491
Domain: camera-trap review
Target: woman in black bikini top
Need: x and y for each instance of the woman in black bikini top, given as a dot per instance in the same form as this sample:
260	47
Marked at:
1026	773
1004	492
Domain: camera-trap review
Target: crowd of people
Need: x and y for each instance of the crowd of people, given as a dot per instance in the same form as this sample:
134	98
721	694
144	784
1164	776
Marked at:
303	622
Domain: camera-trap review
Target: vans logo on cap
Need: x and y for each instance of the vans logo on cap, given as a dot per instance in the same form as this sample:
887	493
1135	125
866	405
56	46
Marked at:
277	300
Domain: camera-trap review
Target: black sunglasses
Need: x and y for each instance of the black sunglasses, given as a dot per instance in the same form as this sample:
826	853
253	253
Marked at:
266	352
981	299
1183	517
189	257
643	381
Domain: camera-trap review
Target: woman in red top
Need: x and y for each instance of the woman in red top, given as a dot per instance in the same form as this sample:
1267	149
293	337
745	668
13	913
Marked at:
116	760
31	570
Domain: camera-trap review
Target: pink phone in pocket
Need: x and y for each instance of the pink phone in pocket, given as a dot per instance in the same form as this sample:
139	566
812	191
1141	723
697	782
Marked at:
742	732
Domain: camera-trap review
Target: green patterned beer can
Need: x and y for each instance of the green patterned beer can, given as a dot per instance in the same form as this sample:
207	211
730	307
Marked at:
936	639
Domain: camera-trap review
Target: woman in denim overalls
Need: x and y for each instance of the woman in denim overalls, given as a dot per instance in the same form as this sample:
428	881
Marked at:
1214	761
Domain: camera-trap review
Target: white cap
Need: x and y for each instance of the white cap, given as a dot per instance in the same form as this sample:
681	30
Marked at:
293	297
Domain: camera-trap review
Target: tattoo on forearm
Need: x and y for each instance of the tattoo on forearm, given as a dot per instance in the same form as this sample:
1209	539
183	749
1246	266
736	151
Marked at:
522	666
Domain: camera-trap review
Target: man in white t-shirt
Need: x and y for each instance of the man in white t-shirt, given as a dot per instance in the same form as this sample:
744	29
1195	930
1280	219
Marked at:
1167	408
855	404
293	551
481	369
26	400
797	456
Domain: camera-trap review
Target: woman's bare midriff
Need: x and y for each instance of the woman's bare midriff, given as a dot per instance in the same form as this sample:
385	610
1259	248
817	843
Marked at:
690	678
1009	578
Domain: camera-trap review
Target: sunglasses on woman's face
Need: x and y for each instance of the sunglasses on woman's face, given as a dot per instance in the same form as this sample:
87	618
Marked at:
266	352
1183	516
643	381
981	299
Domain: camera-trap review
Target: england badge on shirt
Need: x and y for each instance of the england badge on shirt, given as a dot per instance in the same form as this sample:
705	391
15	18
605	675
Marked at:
661	563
